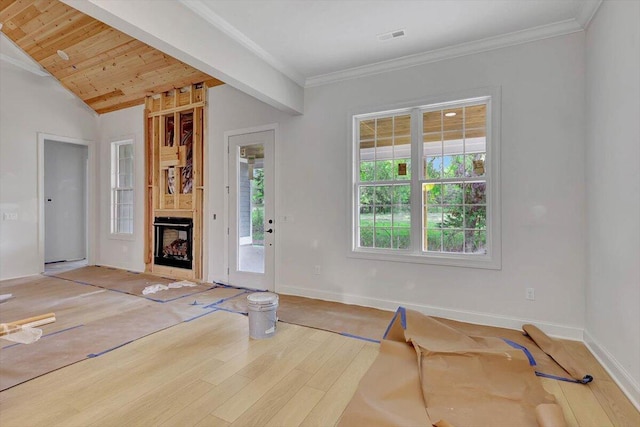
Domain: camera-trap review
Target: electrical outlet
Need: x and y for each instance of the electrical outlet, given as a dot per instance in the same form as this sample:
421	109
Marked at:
530	294
316	269
10	216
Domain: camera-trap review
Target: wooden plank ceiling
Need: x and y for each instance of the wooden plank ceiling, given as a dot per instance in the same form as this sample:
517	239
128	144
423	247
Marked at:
107	69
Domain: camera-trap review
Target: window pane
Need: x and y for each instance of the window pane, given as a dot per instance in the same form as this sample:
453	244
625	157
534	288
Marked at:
402	125
474	165
475	193
383	195
402	169
452	194
453	142
434	240
432	122
384	170
452	216
432	144
367	194
452	119
475	241
401	238
433	216
475	217
475	116
432	194
383	237
452	240
402	195
366	237
367	130
366	216
402	156
382	216
384	128
433	167
367	171
453	166
401	216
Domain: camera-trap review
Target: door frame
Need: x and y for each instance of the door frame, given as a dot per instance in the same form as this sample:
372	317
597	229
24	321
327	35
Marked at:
227	135
90	199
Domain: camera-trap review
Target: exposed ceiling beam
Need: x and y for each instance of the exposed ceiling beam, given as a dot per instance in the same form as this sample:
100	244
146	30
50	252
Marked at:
178	31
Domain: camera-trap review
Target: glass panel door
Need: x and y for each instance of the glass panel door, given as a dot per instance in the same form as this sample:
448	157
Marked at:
251	216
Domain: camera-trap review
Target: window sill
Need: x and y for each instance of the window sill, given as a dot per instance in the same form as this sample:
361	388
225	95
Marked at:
120	236
465	261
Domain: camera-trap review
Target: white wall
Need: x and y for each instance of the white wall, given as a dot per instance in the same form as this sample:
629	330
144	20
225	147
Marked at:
30	104
121	252
613	195
542	171
230	109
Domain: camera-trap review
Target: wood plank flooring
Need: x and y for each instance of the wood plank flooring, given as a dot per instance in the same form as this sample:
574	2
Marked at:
207	372
172	378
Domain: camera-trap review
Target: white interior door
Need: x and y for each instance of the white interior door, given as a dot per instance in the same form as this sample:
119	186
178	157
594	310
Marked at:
251	216
65	204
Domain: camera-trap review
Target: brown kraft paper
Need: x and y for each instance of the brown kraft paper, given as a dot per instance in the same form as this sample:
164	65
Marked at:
455	378
556	350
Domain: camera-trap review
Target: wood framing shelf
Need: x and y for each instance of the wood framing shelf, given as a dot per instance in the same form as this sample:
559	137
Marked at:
175	161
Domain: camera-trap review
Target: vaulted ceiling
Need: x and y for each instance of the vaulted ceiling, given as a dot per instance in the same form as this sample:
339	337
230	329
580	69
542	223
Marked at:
106	68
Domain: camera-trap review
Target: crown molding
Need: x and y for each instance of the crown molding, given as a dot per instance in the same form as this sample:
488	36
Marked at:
24	65
587	12
199	7
491	43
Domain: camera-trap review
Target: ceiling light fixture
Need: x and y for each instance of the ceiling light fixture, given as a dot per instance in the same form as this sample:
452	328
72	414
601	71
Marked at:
391	35
62	54
450	114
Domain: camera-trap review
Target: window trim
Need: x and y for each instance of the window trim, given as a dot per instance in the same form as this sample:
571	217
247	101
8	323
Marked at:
493	258
113	147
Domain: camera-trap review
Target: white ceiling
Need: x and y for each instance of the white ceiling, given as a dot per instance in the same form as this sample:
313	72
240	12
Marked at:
309	39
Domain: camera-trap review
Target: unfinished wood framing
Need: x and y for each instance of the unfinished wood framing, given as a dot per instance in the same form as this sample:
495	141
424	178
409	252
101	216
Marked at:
174	166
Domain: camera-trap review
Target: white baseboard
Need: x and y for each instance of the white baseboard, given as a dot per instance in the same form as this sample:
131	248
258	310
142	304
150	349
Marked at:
488	319
627	384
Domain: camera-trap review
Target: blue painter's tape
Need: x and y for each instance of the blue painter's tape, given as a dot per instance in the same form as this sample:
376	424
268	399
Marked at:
585	380
232	311
61	331
46	335
214	304
359	337
200	315
92	355
401	311
532	361
183	296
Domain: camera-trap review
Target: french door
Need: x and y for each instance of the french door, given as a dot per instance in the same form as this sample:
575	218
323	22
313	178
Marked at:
251	217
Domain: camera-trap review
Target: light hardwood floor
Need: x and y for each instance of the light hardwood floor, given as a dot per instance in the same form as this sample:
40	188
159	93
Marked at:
207	372
204	372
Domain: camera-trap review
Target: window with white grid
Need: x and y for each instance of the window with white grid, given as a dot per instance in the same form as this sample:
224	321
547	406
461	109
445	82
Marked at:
424	184
122	187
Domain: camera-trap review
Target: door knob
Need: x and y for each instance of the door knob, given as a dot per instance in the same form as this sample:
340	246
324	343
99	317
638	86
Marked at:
269	230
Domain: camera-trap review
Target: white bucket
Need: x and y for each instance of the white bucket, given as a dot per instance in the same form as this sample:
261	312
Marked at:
262	314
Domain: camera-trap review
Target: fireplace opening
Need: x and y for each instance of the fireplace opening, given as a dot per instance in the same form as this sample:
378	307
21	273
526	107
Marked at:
173	242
